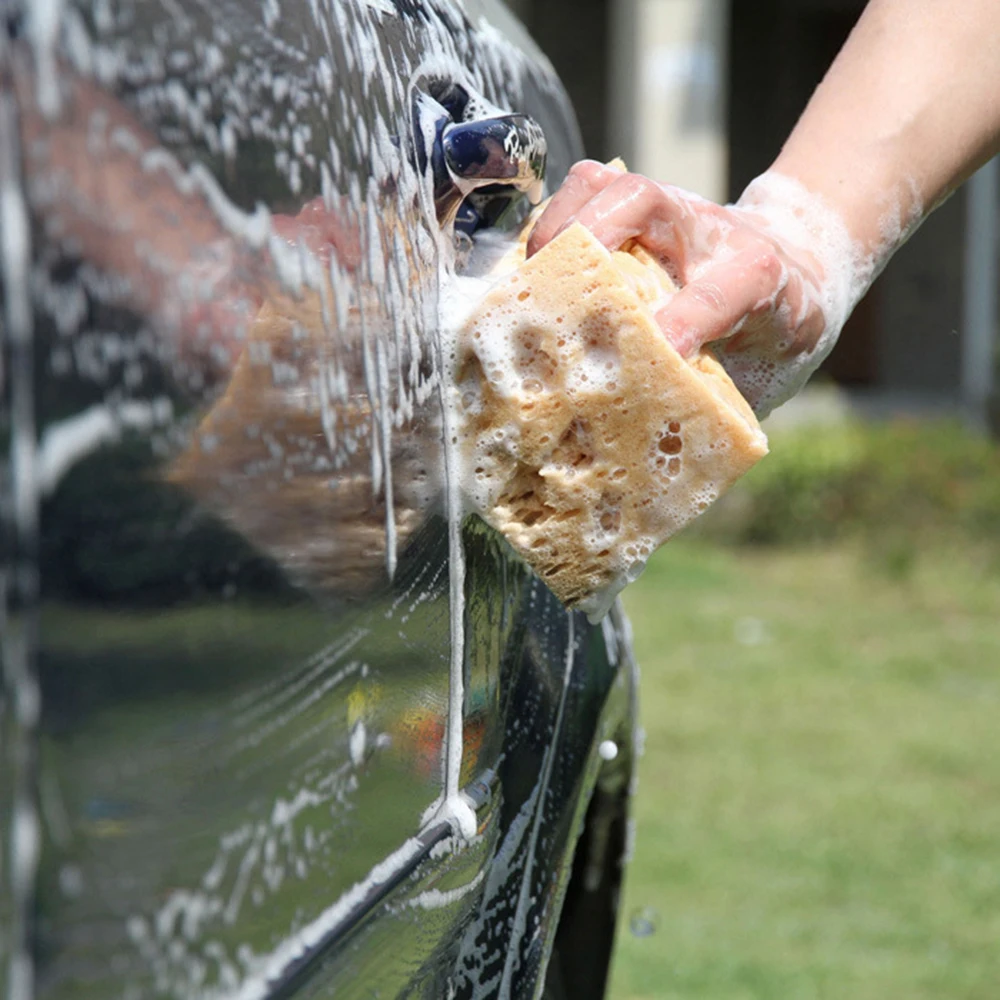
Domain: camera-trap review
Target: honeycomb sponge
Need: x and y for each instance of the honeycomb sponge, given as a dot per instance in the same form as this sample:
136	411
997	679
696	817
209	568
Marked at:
588	439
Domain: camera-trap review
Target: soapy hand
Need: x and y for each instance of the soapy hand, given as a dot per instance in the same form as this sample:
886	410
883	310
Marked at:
772	278
905	114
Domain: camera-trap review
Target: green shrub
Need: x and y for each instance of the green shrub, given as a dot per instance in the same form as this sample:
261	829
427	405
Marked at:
897	485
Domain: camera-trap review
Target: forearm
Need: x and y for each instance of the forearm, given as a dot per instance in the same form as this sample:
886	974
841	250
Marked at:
909	109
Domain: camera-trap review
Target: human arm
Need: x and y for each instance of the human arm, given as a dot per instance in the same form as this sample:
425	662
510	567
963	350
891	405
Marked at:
909	109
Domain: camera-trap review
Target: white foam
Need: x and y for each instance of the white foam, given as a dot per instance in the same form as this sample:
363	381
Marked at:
357	742
458	296
800	219
517	368
267	969
67	442
438	899
803	220
43	23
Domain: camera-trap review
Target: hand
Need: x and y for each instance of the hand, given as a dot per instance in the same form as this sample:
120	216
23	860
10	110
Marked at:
765	277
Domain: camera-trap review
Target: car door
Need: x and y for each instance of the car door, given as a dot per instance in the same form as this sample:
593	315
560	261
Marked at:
278	718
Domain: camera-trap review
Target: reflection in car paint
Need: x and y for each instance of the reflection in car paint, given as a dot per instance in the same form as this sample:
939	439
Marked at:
236	261
20	702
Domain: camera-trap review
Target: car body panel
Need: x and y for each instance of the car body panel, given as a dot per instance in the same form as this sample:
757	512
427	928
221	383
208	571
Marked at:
278	719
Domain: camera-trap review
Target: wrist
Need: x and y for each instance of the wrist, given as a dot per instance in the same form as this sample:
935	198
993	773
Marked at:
878	200
816	235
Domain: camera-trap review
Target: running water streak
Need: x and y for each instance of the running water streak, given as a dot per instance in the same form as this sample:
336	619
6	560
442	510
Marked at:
519	932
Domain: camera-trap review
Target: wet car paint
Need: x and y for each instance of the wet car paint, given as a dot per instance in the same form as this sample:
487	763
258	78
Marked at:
277	719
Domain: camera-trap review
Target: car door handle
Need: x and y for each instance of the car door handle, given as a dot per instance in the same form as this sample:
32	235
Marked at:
509	149
481	150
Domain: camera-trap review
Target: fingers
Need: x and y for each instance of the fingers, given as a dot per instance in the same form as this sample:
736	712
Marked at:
718	302
586	179
617	207
662	219
737	282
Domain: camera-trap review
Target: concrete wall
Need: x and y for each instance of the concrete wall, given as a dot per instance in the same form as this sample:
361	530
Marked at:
919	333
669	67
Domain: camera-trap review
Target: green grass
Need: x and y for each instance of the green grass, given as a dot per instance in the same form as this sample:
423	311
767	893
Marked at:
818	812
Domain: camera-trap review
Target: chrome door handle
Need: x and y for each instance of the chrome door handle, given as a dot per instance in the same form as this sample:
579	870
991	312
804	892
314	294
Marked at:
480	150
509	149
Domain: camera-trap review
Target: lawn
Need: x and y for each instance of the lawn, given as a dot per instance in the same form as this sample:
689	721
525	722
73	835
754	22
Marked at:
818	812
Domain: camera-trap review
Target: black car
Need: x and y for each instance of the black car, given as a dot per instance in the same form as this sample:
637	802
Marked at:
278	719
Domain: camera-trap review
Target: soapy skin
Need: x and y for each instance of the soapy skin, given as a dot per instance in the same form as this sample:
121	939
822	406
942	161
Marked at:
739	279
906	113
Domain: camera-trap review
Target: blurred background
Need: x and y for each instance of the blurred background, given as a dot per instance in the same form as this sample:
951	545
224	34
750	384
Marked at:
818	812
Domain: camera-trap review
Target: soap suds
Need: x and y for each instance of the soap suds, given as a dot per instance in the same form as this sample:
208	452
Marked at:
798	218
191	958
587	440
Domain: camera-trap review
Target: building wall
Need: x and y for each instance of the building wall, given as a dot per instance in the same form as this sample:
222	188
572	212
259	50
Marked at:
919	338
677	71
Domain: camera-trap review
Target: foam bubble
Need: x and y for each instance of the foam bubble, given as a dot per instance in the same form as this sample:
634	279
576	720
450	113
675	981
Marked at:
563	452
800	219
